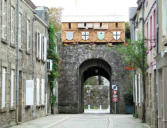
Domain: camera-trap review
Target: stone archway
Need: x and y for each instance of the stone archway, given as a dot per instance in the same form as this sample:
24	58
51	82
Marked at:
89	68
82	58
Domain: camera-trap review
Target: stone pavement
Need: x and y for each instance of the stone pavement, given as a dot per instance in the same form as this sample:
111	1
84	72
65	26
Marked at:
84	121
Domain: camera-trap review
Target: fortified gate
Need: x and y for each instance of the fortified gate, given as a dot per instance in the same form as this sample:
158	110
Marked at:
86	51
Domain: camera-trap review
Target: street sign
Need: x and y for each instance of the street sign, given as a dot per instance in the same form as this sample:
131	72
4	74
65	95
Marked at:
115	99
115	96
114	87
115	92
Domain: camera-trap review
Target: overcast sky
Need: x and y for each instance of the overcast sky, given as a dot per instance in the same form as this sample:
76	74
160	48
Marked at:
90	7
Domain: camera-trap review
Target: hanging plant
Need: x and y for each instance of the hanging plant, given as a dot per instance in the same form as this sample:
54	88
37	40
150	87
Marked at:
53	55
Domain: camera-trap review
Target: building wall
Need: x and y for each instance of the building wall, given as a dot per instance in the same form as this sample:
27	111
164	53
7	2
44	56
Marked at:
161	65
150	34
77	36
29	67
150	40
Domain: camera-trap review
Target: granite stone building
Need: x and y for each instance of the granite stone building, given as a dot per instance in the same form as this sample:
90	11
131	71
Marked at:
161	60
85	50
144	27
28	100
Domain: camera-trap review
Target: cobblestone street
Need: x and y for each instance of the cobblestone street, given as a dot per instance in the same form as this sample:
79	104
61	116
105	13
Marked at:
85	121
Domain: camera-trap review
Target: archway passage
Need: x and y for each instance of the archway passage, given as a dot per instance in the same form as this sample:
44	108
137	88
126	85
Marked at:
89	68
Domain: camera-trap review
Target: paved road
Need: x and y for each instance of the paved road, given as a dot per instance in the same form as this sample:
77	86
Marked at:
85	121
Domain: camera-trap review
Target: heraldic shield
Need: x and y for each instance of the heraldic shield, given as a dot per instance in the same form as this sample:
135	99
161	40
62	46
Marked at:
100	35
116	35
85	35
69	35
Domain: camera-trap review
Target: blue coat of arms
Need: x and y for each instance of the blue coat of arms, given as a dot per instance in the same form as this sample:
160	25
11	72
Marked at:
69	35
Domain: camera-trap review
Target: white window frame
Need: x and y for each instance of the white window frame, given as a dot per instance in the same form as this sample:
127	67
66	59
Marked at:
37	43
12	24
4	19
3	102
29	92
40	46
164	18
28	34
136	89
37	91
43	91
12	86
20	30
45	48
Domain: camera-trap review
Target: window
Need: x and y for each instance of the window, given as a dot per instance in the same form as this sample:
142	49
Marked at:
3	88
29	92
19	30
28	35
4	19
164	18
37	92
69	25
12	25
12	88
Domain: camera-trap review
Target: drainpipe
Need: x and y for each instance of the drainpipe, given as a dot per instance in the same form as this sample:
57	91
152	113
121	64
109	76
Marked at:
157	28
143	61
17	60
157	51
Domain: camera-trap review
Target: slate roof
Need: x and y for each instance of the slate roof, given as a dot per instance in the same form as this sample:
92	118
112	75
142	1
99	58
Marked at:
87	18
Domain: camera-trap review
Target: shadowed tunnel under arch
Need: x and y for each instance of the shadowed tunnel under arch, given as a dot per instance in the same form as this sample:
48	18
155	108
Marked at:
89	68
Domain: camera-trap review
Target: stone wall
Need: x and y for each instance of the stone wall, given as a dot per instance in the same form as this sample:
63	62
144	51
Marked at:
29	67
69	83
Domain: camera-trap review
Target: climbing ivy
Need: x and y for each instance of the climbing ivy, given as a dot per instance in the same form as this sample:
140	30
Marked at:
53	55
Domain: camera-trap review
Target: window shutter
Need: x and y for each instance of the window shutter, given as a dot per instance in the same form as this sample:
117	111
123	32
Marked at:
42	45
4	19
164	18
136	89
45	48
20	23
40	41
12	88
37	91
3	87
43	92
139	84
36	41
29	92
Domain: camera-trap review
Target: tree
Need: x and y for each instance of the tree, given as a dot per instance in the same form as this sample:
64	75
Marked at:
134	54
127	31
52	54
55	15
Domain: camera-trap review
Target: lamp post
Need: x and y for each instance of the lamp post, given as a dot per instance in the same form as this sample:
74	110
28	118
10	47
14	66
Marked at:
17	58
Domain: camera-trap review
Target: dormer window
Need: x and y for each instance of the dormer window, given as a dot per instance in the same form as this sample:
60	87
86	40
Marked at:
116	25
84	24
100	25
69	25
